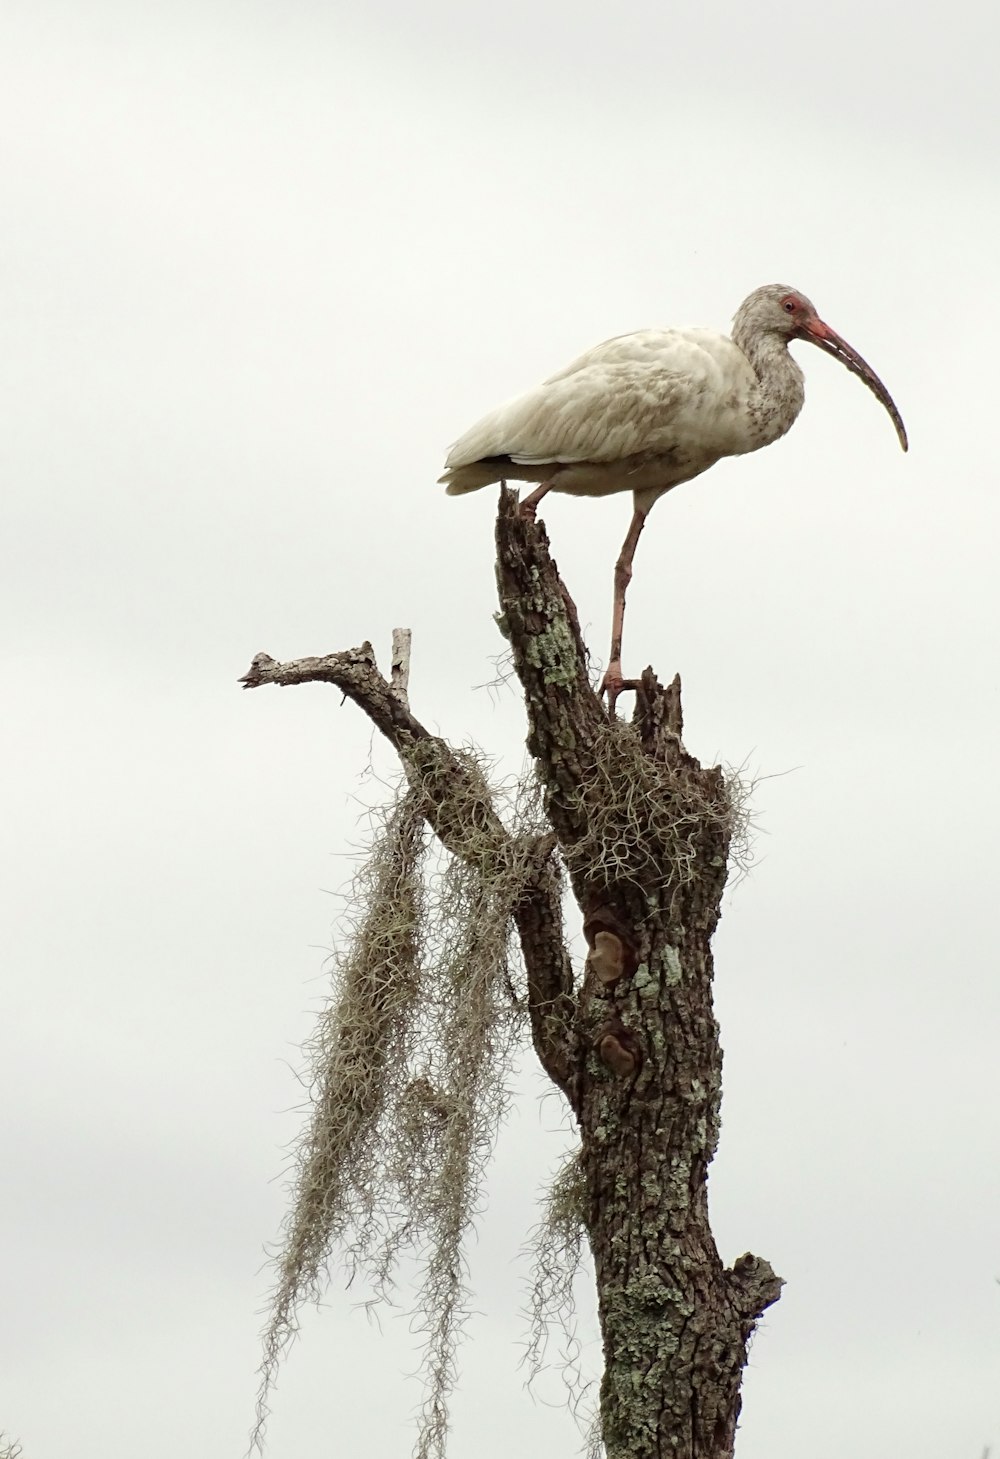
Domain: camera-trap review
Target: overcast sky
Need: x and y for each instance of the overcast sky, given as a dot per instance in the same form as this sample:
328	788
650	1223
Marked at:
261	263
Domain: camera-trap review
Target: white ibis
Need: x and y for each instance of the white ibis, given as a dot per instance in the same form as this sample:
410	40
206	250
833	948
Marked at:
646	411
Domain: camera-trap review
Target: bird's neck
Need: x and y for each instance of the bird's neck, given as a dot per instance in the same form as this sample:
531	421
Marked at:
777	397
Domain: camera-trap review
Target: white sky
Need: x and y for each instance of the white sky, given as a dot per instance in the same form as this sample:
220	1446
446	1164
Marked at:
260	264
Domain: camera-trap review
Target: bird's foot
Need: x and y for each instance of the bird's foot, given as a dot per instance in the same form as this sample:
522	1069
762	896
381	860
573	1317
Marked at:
613	685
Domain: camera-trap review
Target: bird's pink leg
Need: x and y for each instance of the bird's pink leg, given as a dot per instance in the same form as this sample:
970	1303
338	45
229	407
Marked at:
612	684
528	507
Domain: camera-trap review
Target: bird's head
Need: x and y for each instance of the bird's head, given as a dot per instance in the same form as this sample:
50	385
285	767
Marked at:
774	309
785	313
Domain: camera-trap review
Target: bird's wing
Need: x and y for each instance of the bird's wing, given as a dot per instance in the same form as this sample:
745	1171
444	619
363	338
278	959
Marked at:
632	394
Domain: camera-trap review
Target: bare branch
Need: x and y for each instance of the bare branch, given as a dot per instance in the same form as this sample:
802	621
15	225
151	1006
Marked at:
355	672
400	673
539	921
459	808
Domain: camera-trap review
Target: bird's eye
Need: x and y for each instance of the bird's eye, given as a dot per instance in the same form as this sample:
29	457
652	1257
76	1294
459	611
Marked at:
789	306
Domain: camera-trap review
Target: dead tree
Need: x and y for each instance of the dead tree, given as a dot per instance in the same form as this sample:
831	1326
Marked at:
642	831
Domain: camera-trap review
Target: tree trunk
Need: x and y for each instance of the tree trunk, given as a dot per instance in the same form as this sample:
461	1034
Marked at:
647	847
644	834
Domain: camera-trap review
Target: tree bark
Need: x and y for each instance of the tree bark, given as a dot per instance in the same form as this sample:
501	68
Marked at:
643	831
647	1067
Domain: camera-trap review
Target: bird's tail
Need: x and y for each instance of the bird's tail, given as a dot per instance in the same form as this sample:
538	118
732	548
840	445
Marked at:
461	479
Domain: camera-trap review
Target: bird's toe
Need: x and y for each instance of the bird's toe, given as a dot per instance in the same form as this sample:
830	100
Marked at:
612	685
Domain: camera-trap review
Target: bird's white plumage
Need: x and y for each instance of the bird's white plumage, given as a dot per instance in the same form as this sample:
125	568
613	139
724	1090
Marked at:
657	406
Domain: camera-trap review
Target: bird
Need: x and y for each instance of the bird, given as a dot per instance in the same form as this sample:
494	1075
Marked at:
646	411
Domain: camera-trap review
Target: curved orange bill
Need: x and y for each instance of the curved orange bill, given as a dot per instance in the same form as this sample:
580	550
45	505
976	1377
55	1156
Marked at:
818	333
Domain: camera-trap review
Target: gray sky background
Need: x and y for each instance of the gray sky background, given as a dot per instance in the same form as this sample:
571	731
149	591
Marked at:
261	263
